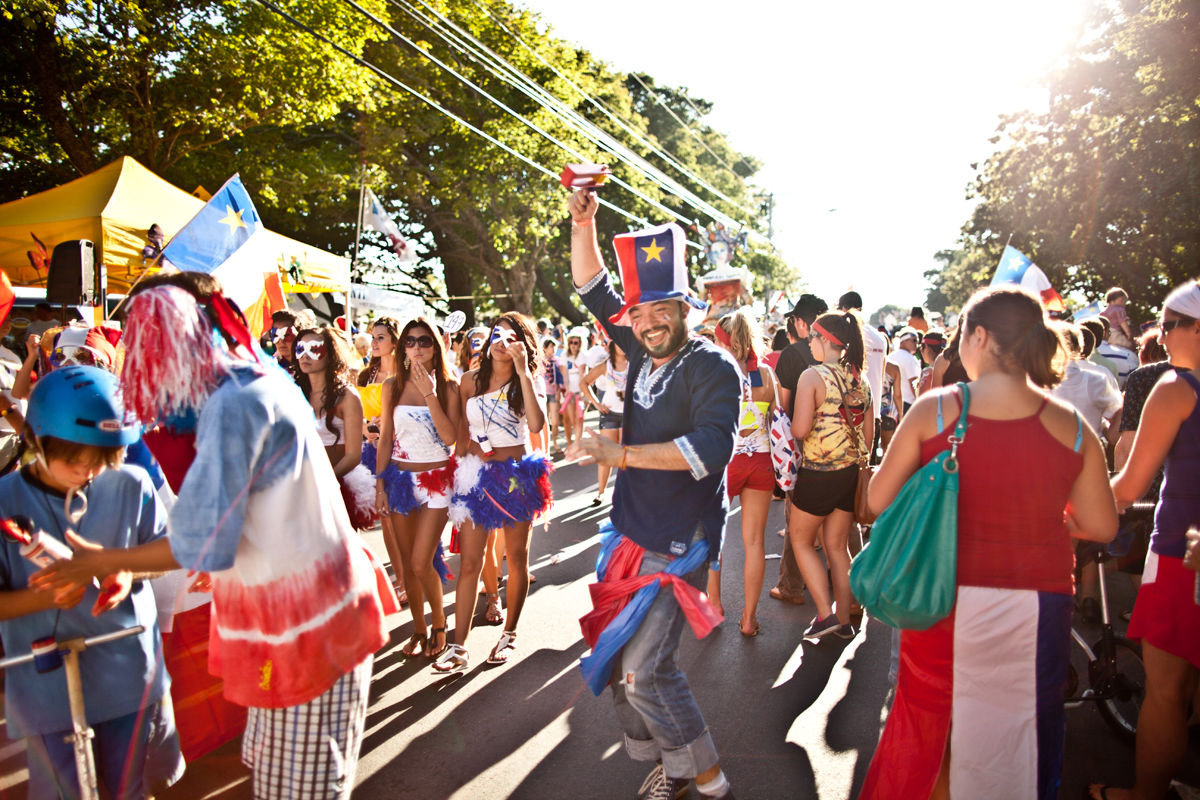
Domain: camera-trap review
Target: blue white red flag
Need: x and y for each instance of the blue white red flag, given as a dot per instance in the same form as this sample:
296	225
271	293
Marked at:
1016	267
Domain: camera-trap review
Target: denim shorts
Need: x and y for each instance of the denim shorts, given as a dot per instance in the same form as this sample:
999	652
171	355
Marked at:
610	422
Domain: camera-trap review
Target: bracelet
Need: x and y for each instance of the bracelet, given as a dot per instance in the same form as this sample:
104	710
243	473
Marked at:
583	224
431	394
624	458
5	412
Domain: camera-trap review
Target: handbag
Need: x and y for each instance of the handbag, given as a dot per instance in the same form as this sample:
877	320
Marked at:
905	576
862	510
785	455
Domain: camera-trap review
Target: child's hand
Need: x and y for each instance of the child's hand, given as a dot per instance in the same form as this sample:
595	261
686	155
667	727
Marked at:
87	563
113	590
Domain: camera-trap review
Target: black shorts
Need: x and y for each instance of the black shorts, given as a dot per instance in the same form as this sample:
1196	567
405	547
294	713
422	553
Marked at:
821	493
610	422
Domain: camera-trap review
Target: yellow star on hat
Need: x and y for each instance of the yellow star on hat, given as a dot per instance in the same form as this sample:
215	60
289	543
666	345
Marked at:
653	252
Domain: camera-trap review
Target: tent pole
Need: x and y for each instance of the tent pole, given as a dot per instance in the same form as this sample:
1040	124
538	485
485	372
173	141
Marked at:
362	186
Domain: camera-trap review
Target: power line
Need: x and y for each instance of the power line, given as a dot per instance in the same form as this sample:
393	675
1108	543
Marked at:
699	113
433	104
533	126
675	116
610	142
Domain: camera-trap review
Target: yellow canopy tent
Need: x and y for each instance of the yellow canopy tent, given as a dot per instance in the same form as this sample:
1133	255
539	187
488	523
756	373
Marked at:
114	207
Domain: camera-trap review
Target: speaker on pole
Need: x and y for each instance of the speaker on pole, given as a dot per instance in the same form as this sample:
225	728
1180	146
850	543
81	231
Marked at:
71	278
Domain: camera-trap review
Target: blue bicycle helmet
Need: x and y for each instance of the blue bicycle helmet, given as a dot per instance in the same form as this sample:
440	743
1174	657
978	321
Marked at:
80	404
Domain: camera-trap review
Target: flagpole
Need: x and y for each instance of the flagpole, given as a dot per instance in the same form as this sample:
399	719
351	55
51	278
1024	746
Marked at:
362	186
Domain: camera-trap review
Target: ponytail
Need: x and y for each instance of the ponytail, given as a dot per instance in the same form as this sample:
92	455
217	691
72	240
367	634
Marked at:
846	326
1025	341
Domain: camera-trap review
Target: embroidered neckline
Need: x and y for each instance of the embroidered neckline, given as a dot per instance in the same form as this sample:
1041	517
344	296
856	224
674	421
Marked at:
652	383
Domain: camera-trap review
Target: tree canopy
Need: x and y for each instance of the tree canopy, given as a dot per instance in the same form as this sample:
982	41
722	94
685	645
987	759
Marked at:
1103	188
199	89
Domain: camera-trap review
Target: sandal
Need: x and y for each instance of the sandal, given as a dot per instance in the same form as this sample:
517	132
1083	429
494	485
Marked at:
415	646
454	660
504	648
494	615
401	594
777	594
433	651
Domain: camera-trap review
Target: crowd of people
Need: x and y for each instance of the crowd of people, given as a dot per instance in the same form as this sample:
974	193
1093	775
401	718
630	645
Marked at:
257	463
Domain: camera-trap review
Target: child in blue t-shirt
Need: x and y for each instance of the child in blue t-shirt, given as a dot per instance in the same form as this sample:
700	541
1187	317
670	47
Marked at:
78	430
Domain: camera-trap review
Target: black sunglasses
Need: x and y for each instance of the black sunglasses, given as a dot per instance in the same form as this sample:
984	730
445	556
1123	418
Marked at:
1168	325
418	341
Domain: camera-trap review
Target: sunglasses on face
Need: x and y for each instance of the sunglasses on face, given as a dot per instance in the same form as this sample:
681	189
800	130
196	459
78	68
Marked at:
1168	325
313	349
504	336
418	341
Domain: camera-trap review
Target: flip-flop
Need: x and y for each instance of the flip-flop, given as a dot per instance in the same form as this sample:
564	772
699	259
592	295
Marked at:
757	630
1087	791
776	594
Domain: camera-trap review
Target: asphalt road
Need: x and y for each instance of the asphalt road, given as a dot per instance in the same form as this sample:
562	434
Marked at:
791	719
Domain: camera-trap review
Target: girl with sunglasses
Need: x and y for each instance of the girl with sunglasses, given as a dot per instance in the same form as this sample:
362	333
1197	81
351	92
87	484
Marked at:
501	482
416	473
385	338
323	372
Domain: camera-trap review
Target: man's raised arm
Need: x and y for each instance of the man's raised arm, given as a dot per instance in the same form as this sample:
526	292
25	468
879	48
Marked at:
586	262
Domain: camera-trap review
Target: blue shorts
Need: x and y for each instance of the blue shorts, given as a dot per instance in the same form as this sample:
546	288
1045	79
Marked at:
610	422
137	756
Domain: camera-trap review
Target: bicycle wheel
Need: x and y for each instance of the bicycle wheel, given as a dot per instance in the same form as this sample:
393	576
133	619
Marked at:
1128	688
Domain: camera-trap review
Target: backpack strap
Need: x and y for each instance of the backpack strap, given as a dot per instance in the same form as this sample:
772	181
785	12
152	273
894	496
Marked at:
1078	431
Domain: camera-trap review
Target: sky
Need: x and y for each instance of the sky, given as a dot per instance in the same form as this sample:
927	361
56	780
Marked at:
867	116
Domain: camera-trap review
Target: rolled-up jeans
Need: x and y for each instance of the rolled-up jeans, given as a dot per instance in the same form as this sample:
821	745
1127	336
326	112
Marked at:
657	711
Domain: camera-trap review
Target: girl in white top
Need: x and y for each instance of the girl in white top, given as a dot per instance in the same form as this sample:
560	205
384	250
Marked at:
570	363
421	411
552	377
609	375
500	481
750	475
323	363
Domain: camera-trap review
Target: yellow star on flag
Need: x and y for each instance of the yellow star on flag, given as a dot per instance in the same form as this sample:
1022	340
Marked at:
233	219
653	252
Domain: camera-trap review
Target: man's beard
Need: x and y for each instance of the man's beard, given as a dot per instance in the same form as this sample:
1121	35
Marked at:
676	336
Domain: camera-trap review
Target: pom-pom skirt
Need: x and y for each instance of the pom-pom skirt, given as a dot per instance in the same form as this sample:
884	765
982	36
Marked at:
358	492
496	494
408	491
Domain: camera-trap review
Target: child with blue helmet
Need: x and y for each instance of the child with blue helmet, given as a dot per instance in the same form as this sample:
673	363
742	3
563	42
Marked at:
78	492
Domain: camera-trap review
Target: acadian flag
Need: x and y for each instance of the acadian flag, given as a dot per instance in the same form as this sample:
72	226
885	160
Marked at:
376	218
653	268
7	296
1016	267
222	240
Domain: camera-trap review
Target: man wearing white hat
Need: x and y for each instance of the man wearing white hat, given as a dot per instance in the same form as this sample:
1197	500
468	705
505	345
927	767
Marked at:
669	506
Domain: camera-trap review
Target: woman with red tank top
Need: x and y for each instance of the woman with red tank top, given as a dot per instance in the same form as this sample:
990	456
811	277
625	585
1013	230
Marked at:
1166	618
978	710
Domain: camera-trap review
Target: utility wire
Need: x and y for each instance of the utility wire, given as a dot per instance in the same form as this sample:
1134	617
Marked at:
533	126
433	104
609	141
682	124
699	114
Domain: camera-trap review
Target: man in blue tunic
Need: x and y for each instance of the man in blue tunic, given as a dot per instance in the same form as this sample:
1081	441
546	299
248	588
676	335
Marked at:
669	506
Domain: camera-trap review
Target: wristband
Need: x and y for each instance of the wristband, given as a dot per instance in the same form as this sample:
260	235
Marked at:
583	224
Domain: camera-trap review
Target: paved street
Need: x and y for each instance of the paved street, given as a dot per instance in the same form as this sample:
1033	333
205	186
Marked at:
791	719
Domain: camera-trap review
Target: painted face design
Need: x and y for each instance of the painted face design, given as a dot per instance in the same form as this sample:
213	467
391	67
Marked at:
504	336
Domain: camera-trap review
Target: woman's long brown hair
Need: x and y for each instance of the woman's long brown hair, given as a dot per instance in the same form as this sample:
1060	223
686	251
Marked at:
338	371
372	368
442	376
523	325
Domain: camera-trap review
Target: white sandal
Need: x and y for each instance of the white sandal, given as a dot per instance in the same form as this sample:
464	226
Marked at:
454	660
504	648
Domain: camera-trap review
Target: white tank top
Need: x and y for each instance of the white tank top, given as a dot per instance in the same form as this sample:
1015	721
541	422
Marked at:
489	415
330	439
416	437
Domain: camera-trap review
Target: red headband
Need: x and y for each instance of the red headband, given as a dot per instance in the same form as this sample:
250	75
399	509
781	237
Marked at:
819	328
751	362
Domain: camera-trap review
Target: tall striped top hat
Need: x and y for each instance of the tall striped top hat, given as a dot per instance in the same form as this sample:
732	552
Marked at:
652	267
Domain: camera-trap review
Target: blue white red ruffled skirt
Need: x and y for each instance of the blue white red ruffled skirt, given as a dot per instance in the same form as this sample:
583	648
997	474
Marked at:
408	491
496	494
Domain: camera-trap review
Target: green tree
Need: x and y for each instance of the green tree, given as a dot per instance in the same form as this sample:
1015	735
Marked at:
962	272
1103	189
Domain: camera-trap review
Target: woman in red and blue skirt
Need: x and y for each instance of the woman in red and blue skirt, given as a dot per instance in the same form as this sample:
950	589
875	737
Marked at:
501	482
1166	617
415	474
979	697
